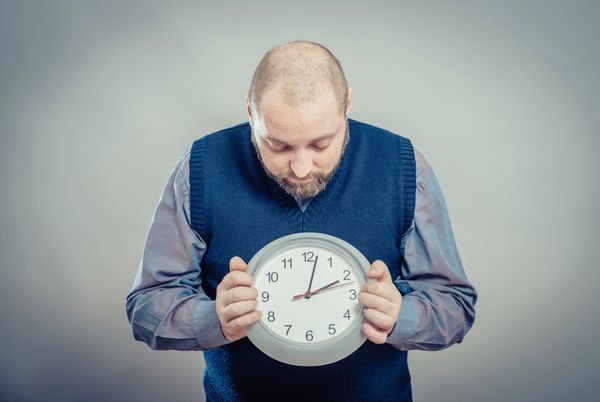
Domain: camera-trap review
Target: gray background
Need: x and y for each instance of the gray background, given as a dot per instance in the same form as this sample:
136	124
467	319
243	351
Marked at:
98	100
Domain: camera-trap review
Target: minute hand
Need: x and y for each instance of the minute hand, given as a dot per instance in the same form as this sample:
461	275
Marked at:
312	275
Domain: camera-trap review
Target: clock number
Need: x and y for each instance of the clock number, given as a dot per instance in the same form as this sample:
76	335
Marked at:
273	276
331	329
352	294
271	316
309	256
287	332
330	261
309	335
347	277
287	263
347	314
265	296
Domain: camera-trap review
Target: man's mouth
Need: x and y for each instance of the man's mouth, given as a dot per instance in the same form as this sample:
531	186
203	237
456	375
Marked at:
298	181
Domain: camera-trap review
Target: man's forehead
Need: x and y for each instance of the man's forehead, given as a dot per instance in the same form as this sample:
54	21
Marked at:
308	121
317	137
285	133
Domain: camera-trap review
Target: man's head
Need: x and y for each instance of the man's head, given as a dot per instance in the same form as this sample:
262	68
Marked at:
298	106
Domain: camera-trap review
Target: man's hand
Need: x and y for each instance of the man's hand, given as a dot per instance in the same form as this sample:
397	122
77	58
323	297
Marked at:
381	301
236	301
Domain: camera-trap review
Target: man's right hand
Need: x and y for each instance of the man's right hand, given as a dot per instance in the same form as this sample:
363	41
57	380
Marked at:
236	301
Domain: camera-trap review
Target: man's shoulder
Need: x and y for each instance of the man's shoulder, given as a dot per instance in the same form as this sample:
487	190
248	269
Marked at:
423	169
224	134
371	130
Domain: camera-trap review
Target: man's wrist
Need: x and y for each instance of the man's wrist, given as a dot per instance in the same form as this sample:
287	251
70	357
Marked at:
204	321
406	325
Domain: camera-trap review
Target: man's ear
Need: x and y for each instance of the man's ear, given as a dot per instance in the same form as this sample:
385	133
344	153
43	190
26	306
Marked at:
349	102
248	110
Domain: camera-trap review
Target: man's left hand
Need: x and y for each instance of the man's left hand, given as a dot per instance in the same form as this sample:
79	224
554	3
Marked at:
381	301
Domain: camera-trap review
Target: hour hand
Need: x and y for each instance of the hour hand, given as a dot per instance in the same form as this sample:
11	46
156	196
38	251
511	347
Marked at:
308	293
329	286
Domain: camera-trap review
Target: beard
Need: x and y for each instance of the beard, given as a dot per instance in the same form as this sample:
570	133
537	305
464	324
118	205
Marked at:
312	184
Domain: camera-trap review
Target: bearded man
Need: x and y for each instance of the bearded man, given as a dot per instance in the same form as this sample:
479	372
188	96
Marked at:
300	165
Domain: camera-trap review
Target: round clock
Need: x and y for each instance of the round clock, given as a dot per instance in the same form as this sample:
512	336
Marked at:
308	285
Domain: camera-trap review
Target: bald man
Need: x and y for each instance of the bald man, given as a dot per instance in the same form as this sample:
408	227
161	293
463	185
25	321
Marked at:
300	165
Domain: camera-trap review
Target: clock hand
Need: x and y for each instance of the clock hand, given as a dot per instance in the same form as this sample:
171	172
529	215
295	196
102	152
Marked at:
307	294
323	289
326	286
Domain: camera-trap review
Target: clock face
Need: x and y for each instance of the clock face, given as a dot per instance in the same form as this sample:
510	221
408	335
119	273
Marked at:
308	294
308	285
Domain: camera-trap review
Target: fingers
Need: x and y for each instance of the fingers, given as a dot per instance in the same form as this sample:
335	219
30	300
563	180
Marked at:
240	325
236	317
237	328
381	301
236	301
374	335
379	271
237	264
238	294
238	309
380	321
381	313
235	278
376	302
387	290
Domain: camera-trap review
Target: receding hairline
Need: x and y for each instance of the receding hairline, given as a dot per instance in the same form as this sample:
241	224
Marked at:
300	71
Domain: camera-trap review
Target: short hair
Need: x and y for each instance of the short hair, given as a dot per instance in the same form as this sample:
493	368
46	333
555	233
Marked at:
301	70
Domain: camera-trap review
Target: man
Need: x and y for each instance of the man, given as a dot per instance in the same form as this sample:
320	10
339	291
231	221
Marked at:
300	166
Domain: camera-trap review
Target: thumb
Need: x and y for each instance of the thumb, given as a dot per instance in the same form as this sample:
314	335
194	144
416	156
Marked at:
237	264
380	272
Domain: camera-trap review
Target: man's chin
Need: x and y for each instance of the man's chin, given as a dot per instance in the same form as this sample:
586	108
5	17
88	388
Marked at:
307	188
300	183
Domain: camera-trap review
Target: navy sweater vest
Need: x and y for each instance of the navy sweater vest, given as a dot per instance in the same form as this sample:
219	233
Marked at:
237	209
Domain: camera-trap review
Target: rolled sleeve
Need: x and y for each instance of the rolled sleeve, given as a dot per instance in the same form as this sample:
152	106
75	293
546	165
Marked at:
166	307
407	324
438	301
207	326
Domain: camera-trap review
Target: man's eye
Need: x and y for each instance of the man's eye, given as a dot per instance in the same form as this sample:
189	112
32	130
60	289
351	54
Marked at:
280	148
320	147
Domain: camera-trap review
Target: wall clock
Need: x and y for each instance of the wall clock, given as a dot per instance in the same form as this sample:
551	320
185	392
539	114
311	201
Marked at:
308	285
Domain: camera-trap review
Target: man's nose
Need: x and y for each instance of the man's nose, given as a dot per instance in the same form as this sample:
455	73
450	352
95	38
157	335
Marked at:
302	164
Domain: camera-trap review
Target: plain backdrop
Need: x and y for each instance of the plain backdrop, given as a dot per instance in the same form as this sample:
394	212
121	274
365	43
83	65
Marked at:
99	99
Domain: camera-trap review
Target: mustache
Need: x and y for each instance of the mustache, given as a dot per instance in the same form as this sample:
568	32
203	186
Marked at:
310	176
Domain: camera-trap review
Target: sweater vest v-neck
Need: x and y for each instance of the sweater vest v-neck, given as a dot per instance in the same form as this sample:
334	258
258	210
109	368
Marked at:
237	209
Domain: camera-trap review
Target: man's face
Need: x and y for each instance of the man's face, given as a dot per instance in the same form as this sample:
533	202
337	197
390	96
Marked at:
300	147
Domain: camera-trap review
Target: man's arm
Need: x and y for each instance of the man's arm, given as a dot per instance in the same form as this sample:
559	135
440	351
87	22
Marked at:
166	307
438	302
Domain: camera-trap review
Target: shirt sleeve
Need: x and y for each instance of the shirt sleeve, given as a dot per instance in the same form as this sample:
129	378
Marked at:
438	302
166	306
